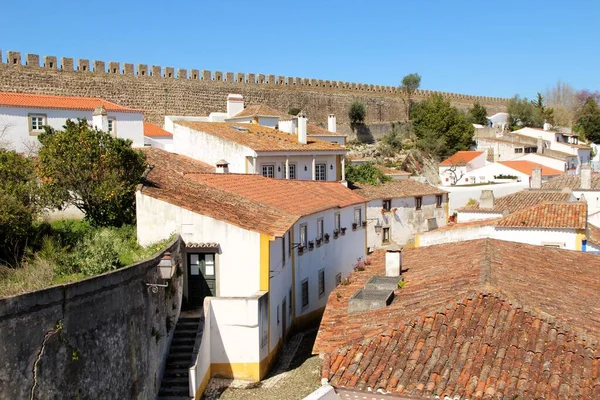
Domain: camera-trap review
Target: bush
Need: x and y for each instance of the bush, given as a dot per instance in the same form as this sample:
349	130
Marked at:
366	173
294	111
357	113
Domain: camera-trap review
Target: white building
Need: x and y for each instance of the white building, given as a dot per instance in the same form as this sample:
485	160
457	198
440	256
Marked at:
453	168
586	185
552	224
498	120
24	116
507	171
398	210
155	136
261	254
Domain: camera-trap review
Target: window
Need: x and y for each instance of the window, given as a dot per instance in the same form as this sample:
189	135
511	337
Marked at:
290	302
283	250
303	236
438	201
337	222
386	235
529	150
338	278
320	228
305	293
268	171
357	216
292	169
277	314
418	203
321	282
112	126
321	172
518	150
36	123
289	241
387	205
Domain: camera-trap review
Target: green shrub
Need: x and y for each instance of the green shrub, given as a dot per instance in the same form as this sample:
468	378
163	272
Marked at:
357	112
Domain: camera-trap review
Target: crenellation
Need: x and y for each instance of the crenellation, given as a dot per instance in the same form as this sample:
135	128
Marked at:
261	78
169	72
182	73
99	67
229	77
66	64
240	77
1	59
114	67
50	62
142	70
304	82
32	60
297	81
83	65
14	58
251	79
194	74
271	79
128	69
156	71
218	76
280	80
206	75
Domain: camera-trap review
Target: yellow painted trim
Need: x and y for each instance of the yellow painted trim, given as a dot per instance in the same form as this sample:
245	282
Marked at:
417	240
306	320
253	371
579	236
265	261
203	385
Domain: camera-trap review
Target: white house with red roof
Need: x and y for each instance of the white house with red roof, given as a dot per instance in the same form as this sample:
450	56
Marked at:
453	168
507	171
155	136
23	116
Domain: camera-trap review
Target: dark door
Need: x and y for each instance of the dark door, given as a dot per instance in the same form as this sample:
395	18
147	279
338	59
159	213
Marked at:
201	277
283	317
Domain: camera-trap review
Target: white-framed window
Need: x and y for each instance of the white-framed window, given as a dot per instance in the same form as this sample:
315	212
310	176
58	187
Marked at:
268	171
387	204
518	150
321	172
112	126
320	228
337	222
438	200
358	216
304	286
321	282
418	202
386	235
292	171
36	123
303	235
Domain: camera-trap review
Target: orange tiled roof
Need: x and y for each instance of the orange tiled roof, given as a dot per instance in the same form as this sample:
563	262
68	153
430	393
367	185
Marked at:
594	234
59	102
468	224
152	130
395	189
469	316
252	202
316	130
260	138
571	182
461	157
260	110
526	167
548	215
517	201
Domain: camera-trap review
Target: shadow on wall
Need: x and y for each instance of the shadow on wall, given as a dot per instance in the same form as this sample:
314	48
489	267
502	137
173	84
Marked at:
103	337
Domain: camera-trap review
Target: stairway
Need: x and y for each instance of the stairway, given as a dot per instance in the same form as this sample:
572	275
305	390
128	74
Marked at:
175	382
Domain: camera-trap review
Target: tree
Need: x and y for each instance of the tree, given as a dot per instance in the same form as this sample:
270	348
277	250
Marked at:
561	97
357	113
478	114
294	111
524	113
91	170
589	121
442	129
366	173
409	85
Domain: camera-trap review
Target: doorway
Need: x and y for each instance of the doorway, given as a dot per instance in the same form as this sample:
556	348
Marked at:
201	277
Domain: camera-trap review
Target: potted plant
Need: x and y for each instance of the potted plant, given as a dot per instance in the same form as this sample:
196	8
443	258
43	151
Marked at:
343	231
300	249
354	226
335	234
383	211
327	238
453	217
319	242
364	224
311	245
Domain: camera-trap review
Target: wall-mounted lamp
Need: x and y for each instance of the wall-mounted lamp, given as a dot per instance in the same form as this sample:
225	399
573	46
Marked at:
166	269
378	227
279	168
305	169
331	167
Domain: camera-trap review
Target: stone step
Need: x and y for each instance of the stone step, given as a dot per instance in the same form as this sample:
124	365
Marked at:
179	356
175	381
183	341
174	398
185	332
182	390
180	363
180	348
176	372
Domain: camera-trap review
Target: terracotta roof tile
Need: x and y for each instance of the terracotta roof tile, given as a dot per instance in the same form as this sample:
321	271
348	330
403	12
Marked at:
316	130
594	234
461	157
260	110
571	181
260	138
395	189
517	201
252	202
152	130
59	102
526	167
477	319
548	215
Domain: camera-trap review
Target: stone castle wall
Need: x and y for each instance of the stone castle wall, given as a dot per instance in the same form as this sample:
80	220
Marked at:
165	91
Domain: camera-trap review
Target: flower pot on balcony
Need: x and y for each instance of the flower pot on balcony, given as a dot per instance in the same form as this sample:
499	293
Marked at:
354	226
335	234
327	238
311	245
300	250
319	242
343	231
364	224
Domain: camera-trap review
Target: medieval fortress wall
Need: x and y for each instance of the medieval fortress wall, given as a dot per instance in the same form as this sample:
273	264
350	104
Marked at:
165	91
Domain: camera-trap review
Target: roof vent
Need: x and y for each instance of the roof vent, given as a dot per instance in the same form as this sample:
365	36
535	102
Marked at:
240	128
383	283
368	299
222	167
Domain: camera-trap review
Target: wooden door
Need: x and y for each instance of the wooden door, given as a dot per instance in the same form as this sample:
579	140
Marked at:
201	277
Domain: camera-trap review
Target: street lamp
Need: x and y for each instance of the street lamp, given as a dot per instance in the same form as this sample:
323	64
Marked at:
378	227
166	269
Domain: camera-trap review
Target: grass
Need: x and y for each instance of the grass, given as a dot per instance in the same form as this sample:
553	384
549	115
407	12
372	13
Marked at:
34	275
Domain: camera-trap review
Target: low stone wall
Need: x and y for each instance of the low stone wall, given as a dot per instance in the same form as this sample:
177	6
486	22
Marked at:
104	337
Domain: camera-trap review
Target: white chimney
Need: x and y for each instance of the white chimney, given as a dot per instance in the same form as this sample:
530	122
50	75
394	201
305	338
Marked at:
540	145
222	167
235	104
486	200
586	176
302	129
536	178
547	126
393	262
100	119
331	123
287	125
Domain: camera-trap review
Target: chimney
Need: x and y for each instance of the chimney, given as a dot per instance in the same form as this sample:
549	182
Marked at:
235	104
547	126
536	178
586	176
302	121
100	119
222	167
287	125
331	123
486	200
393	262
540	145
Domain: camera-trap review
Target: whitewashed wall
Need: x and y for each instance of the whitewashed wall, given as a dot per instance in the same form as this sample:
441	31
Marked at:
502	151
447	177
465	216
15	123
331	139
594	219
486	174
165	143
592	197
279	287
545	161
300	162
460	195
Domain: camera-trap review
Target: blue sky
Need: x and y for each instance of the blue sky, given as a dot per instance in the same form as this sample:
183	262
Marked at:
493	48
